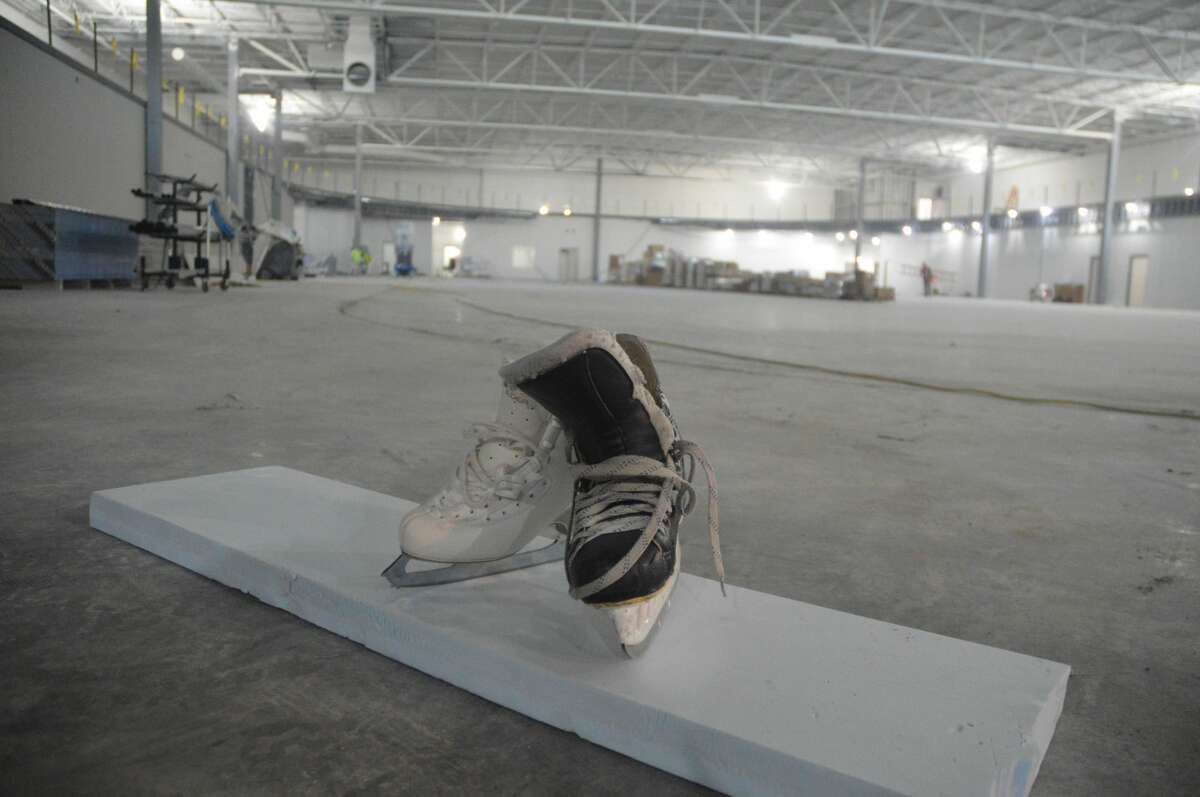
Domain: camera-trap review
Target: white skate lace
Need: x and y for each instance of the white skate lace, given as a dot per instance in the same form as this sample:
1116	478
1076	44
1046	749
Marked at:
477	486
623	490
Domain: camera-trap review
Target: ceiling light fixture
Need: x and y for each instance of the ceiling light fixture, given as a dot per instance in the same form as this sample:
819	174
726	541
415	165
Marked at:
178	54
1045	211
841	236
260	117
776	189
1011	213
543	210
437	220
567	210
906	229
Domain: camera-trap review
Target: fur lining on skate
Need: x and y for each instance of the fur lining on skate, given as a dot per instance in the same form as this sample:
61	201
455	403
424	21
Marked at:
539	362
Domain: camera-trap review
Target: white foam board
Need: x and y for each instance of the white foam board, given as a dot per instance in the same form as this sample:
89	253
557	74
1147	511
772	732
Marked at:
750	694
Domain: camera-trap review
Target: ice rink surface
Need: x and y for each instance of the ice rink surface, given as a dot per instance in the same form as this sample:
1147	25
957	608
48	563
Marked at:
1060	531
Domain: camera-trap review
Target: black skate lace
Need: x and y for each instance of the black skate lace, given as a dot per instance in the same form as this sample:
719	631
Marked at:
624	490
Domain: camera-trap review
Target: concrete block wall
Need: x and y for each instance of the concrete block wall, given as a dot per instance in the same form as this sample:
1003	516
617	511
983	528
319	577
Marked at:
69	138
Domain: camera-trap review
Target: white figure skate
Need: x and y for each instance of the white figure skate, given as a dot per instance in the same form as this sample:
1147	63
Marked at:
513	487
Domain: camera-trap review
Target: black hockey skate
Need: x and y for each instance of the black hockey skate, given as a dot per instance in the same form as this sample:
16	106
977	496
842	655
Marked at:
632	474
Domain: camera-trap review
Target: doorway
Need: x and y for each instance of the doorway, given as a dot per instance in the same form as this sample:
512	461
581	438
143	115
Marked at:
1090	289
1135	288
568	264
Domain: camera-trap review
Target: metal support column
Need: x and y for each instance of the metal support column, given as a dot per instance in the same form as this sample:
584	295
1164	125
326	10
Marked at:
1099	290
277	161
358	136
232	113
859	211
596	220
154	120
985	220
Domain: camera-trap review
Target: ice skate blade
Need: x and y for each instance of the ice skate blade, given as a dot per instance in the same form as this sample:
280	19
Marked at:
398	573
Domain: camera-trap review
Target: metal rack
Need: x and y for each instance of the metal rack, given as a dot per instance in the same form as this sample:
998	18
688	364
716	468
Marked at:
186	196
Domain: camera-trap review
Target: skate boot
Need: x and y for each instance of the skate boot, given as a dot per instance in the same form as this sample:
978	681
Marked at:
513	487
632	474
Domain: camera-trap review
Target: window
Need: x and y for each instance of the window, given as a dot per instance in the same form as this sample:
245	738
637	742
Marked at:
524	257
925	208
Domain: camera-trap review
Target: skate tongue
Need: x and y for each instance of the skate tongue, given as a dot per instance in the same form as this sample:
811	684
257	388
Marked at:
499	457
527	421
522	415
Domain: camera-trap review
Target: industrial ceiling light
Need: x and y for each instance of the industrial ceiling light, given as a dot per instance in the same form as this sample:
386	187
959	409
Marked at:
460	233
762	233
1045	211
976	226
437	220
854	235
906	229
976	165
776	189
808	236
1189	191
1083	212
947	226
543	210
841	236
1011	213
874	240
178	54
729	231
567	210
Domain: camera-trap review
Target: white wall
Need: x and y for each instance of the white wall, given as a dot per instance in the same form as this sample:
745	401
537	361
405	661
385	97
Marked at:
491	241
1023	257
1020	258
623	195
65	138
1157	169
330	231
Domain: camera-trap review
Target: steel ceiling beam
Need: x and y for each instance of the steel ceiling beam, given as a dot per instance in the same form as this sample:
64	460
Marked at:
728	102
618	22
348	122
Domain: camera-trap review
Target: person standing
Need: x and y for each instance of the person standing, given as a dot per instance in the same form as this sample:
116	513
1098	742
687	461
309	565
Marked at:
927	278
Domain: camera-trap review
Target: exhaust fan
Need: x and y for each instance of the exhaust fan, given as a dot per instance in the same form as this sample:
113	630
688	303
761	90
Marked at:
358	57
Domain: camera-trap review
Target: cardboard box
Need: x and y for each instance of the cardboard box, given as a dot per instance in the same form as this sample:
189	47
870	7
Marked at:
1070	292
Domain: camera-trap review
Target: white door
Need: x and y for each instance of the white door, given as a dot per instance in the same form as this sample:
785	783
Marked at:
568	264
1090	288
1139	268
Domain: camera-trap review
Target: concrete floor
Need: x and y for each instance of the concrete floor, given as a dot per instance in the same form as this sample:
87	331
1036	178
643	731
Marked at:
1058	530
